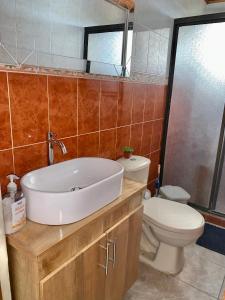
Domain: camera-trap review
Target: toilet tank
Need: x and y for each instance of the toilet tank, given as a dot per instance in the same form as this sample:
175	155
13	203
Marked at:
136	168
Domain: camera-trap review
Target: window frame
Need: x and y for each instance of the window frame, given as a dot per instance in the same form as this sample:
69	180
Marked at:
103	29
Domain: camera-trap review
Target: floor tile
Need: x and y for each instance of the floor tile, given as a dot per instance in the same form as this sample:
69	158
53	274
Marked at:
200	272
154	285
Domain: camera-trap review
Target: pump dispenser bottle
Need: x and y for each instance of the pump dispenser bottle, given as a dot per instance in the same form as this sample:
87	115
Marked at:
12	187
14	210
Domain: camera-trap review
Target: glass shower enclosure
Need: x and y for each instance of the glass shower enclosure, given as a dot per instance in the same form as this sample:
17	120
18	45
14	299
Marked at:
195	144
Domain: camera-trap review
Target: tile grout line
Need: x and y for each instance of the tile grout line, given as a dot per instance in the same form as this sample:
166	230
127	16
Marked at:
129	135
143	116
10	119
68	137
48	97
152	152
221	288
132	103
28	145
152	181
154	106
77	113
117	117
196	288
131	112
99	116
145	99
73	136
6	149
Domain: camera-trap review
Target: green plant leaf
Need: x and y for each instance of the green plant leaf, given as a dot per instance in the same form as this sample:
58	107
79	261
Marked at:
128	149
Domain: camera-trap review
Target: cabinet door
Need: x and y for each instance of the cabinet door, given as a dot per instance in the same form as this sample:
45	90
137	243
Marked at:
134	237
80	278
115	280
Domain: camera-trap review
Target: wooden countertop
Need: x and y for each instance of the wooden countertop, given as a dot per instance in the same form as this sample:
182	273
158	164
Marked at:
35	238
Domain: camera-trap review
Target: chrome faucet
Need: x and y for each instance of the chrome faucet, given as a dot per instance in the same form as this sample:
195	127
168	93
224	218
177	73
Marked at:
52	140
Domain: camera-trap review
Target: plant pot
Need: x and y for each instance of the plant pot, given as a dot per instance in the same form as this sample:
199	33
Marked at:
127	154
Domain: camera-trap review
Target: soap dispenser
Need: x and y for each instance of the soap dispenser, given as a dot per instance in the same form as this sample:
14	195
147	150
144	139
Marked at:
12	187
14	210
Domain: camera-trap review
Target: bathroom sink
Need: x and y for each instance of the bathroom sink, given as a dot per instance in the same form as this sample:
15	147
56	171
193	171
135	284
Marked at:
70	191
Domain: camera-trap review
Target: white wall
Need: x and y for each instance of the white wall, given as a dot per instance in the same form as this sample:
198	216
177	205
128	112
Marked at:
55	28
214	8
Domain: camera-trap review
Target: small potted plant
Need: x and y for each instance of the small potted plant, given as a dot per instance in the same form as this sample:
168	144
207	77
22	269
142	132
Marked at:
127	151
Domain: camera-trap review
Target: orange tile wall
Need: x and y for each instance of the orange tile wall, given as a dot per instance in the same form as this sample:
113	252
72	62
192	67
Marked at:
92	117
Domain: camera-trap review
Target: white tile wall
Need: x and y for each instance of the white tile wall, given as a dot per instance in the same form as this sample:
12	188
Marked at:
150	52
54	28
67	40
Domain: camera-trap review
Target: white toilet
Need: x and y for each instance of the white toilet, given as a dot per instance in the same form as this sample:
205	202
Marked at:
175	226
168	226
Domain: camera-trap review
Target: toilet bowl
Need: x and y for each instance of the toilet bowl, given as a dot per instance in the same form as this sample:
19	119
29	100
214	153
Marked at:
168	226
174	226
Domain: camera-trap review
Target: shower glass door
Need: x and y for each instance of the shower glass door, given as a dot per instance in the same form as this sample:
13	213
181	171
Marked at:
220	203
196	112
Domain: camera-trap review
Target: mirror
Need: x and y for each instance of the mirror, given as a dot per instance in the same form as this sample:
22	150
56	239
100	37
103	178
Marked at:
78	35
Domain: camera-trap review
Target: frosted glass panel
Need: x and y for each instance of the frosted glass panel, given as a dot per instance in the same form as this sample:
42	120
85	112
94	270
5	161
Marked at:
129	51
106	47
196	110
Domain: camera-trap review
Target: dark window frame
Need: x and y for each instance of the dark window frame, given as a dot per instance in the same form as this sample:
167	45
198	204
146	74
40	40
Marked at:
102	29
181	22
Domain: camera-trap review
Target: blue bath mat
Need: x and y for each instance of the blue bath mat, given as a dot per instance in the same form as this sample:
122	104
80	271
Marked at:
213	238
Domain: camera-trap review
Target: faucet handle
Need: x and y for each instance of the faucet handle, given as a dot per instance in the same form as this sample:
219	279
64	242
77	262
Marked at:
51	135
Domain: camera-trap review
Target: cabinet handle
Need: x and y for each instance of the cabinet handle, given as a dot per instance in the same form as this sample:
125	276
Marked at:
107	258
113	259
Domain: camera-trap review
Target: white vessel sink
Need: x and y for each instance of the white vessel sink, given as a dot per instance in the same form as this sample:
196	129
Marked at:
70	191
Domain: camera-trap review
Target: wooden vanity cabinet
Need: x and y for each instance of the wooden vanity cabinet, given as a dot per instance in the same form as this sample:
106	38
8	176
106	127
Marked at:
94	274
80	278
117	238
97	259
124	273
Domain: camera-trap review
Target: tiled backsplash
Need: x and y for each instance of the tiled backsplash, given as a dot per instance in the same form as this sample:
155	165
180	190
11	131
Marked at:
92	117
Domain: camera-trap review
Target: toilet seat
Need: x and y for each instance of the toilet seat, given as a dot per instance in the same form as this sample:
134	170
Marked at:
172	216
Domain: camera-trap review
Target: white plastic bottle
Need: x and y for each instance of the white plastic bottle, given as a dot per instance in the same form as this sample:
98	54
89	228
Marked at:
147	194
14	211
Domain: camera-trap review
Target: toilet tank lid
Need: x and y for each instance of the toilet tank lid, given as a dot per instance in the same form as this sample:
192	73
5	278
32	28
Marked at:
134	163
174	193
